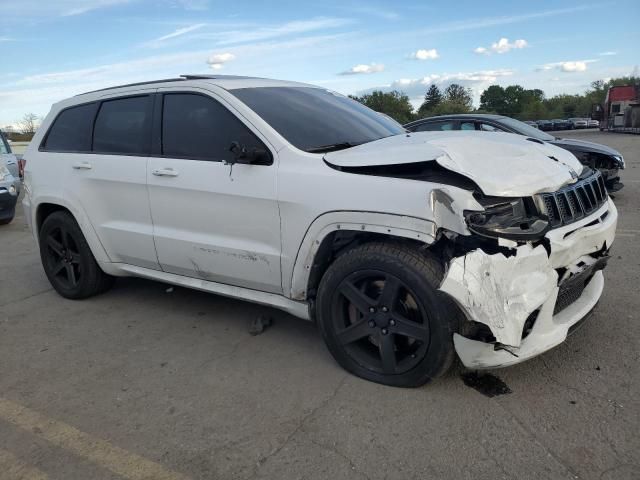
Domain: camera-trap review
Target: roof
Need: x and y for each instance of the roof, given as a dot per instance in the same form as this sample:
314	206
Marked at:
228	82
621	93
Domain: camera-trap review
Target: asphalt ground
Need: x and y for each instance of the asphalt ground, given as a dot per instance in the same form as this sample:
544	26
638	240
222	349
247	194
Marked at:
149	383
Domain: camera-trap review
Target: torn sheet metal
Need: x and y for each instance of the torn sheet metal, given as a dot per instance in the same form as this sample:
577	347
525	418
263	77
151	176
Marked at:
501	291
447	205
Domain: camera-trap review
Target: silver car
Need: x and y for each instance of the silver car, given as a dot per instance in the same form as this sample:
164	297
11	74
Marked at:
10	159
8	193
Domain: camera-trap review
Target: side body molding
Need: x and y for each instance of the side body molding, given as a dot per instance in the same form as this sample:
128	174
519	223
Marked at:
384	223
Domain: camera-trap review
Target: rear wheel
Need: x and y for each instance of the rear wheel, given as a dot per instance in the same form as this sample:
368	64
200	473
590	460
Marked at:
67	259
382	318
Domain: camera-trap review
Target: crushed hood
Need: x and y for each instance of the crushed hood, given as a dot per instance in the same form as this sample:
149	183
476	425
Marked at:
501	164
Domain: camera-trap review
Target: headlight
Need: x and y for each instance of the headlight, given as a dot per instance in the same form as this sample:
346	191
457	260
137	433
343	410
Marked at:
511	218
4	172
620	160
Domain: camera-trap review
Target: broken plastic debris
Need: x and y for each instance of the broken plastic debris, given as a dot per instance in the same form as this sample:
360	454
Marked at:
259	325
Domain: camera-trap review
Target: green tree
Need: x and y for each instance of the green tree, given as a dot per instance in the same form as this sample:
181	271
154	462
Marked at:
493	99
395	104
432	99
457	94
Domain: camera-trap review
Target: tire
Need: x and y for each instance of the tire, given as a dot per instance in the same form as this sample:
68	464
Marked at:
67	259
6	221
382	318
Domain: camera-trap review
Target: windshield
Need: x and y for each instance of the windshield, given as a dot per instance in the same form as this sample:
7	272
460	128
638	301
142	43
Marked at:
314	119
524	129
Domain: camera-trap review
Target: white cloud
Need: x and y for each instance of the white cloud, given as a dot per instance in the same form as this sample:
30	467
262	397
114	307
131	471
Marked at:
176	33
424	54
364	68
415	88
83	6
501	46
218	60
568	67
256	33
607	54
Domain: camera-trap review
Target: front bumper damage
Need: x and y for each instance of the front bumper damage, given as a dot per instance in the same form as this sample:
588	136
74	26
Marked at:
531	297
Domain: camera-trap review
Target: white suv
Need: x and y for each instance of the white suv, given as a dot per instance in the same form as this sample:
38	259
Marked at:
404	247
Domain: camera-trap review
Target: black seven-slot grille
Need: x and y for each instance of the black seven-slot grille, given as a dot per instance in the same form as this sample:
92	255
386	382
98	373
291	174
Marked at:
575	201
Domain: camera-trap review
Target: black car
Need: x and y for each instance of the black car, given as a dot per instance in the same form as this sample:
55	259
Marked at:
545	125
560	124
594	155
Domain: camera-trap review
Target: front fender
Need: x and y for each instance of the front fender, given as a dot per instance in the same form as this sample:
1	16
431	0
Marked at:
373	222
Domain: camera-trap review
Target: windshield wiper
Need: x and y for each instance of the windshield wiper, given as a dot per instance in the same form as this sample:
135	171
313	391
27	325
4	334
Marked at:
332	147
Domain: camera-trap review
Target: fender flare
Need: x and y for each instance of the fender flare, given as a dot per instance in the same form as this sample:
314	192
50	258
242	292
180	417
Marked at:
80	216
388	224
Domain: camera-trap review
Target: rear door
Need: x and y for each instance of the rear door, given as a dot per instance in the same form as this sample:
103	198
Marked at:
103	149
213	221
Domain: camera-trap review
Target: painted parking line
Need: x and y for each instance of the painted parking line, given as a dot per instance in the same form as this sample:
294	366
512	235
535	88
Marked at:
12	468
102	453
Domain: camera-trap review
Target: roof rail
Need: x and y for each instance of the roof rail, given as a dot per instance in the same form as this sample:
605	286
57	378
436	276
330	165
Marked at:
213	77
181	79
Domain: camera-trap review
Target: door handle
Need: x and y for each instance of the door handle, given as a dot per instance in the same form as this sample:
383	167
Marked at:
165	172
82	166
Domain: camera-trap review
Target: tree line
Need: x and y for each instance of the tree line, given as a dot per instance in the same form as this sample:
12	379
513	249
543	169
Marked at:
513	101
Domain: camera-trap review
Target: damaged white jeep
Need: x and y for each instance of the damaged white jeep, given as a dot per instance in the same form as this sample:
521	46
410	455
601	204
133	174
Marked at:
406	248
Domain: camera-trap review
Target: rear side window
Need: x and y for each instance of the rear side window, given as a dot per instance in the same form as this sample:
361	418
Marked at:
435	126
123	126
200	128
71	130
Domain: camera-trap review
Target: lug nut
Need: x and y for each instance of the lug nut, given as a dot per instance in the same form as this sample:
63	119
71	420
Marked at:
372	323
385	309
372	310
392	322
384	331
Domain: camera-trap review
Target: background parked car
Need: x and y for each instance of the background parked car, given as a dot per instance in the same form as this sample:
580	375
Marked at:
594	155
545	125
8	193
531	123
10	160
579	122
560	124
594	123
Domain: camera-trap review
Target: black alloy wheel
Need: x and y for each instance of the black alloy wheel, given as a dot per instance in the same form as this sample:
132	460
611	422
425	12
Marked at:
63	257
67	258
379	322
382	317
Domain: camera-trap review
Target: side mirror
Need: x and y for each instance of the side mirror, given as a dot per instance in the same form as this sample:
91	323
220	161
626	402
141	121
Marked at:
244	156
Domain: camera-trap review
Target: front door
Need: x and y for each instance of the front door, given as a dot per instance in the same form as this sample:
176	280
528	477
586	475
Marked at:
211	220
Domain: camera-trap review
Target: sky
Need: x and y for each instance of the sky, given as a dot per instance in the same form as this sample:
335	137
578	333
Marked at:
53	49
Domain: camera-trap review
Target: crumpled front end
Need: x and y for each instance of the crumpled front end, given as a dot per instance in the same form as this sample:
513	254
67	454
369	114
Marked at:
526	297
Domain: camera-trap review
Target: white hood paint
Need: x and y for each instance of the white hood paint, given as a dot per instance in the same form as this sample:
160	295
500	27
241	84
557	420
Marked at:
502	164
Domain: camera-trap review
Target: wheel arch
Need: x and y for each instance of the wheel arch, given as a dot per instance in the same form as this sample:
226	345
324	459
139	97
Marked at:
333	232
47	206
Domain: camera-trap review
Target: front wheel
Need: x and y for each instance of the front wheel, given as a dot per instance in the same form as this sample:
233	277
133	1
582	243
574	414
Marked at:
382	317
67	258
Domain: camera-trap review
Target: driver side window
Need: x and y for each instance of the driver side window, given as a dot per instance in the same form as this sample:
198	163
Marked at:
198	127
